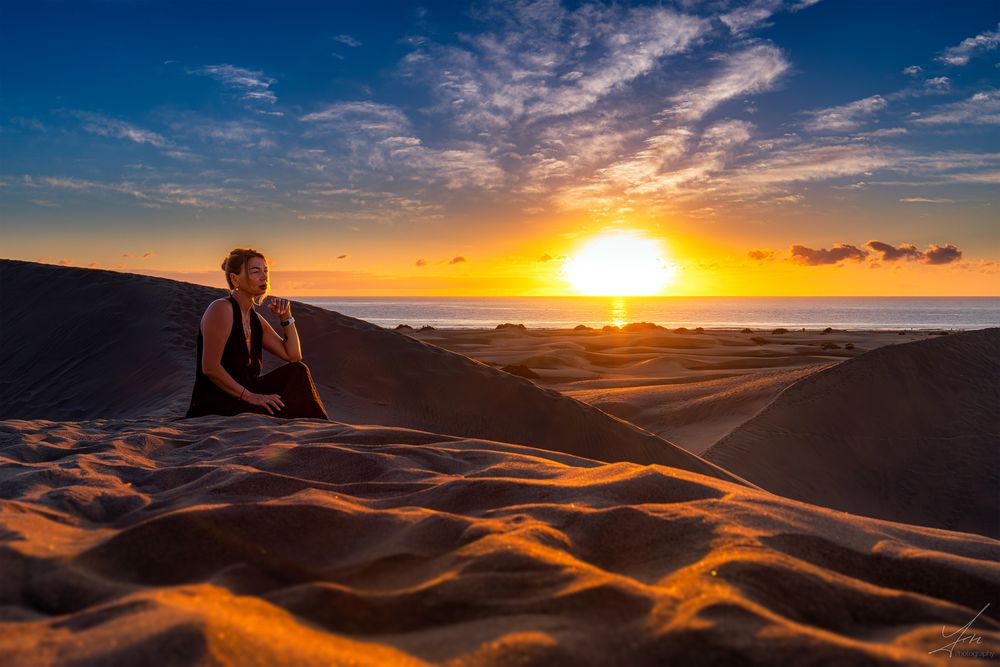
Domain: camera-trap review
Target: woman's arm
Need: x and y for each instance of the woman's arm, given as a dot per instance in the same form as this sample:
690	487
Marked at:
286	350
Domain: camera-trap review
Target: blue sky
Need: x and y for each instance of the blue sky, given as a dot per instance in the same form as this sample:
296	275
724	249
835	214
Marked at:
367	132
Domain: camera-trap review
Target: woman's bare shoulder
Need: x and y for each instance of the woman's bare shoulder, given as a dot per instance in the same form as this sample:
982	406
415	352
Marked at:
218	309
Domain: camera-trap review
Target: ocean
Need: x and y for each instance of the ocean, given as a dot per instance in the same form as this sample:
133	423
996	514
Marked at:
878	313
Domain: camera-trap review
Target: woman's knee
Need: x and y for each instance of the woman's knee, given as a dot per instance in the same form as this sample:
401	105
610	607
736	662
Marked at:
299	366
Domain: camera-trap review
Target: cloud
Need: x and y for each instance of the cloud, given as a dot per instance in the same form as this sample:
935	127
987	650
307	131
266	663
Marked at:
793	162
925	200
147	255
840	251
542	60
545	258
946	254
339	204
846	117
379	138
421	262
347	40
761	254
344	256
198	196
28	123
111	127
912	70
938	83
981	43
889	253
249	133
250	85
457	260
749	71
983	108
935	254
369	117
753	15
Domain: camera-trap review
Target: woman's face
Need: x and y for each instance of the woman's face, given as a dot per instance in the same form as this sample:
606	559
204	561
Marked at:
258	276
255	279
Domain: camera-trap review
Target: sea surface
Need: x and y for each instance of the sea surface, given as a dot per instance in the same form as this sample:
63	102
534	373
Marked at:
878	313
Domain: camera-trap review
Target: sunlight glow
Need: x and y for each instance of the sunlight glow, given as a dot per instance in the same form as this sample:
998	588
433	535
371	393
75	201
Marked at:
619	265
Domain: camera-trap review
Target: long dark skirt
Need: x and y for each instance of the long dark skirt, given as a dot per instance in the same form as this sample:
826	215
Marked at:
294	383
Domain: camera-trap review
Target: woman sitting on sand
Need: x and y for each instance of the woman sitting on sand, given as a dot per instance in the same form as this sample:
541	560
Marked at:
230	341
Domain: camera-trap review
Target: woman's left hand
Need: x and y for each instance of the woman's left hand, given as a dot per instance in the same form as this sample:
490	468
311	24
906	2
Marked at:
280	307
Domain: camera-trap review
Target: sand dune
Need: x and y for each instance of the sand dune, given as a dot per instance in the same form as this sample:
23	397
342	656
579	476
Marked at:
118	345
689	388
254	540
906	432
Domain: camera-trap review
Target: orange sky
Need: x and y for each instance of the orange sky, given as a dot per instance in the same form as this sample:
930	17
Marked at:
703	267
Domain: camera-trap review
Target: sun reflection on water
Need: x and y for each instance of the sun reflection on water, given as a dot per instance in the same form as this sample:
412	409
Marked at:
619	312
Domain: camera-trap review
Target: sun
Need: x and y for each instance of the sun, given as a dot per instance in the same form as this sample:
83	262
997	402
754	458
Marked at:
619	265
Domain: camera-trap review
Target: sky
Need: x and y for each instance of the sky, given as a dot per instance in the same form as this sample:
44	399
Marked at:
830	147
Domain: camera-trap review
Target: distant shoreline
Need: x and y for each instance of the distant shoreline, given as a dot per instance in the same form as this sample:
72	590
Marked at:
732	329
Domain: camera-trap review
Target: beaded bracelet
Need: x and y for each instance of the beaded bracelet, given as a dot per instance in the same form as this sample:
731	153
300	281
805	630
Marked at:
243	392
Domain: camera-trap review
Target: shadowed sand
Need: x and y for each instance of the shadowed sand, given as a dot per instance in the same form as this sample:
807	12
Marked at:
842	437
487	521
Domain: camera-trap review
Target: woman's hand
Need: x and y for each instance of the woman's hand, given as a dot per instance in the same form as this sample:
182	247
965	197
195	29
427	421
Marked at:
280	307
272	402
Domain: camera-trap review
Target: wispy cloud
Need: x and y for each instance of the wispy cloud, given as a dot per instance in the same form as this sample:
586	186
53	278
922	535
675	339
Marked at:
347	40
250	85
983	108
748	71
106	126
364	116
543	60
938	82
981	43
846	117
755	13
379	138
155	195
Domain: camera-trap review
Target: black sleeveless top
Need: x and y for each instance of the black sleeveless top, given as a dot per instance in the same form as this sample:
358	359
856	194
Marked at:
244	365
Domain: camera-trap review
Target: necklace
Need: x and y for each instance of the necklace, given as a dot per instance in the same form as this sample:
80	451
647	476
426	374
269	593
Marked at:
246	328
246	325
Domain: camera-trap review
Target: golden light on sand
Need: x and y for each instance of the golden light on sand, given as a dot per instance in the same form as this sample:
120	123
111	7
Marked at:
619	265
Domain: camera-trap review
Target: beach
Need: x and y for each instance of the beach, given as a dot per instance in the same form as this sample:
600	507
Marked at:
493	496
